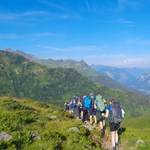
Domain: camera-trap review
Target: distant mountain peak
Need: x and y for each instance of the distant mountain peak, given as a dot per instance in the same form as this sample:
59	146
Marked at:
22	53
83	62
8	50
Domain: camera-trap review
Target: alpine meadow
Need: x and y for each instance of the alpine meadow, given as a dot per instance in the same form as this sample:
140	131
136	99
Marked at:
74	75
32	97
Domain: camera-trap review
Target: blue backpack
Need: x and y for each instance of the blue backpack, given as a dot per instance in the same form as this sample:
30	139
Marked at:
87	103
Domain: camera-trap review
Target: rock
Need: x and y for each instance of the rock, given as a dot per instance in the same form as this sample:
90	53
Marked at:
4	136
139	141
36	136
52	117
75	129
89	127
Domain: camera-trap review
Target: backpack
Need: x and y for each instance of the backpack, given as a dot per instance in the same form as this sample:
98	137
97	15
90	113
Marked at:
87	102
116	115
100	103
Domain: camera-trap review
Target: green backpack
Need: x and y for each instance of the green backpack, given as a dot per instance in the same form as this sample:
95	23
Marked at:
100	103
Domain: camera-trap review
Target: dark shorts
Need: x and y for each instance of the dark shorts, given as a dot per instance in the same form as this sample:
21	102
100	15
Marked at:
92	111
114	126
101	118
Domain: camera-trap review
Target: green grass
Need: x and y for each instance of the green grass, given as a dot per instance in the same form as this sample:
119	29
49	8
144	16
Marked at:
136	134
22	119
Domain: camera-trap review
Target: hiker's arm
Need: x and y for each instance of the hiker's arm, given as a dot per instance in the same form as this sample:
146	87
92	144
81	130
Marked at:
106	114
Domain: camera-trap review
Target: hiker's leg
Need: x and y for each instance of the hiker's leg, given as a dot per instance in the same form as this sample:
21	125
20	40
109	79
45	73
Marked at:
94	114
77	114
95	119
113	134
113	138
86	115
104	123
116	137
75	111
91	121
101	125
101	120
84	111
81	113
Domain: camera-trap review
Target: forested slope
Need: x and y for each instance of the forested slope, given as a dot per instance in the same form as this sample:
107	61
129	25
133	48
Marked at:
22	78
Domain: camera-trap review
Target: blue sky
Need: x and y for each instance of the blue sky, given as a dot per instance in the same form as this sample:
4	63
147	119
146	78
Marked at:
106	32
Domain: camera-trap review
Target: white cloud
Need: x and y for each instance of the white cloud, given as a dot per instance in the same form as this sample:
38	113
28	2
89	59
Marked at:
131	62
117	60
120	21
12	16
8	36
62	12
56	6
71	49
46	34
138	42
134	4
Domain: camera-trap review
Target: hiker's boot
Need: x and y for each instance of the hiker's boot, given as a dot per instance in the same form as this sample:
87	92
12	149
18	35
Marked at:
114	148
102	133
117	146
95	124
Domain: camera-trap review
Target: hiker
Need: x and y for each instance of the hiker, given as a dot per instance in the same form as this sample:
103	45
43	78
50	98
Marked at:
79	108
101	110
67	105
75	100
93	110
106	105
86	107
71	106
114	120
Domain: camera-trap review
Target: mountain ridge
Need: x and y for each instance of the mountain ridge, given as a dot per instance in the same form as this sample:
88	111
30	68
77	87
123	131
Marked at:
80	66
130	77
23	78
20	77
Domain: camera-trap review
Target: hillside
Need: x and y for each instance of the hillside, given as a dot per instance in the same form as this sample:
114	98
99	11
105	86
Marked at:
79	66
135	78
117	74
22	78
142	83
135	133
27	125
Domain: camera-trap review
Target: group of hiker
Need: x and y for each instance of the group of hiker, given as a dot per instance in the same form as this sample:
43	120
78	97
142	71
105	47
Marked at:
94	109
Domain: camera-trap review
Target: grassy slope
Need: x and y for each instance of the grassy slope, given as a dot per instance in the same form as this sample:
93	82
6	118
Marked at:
136	130
23	118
